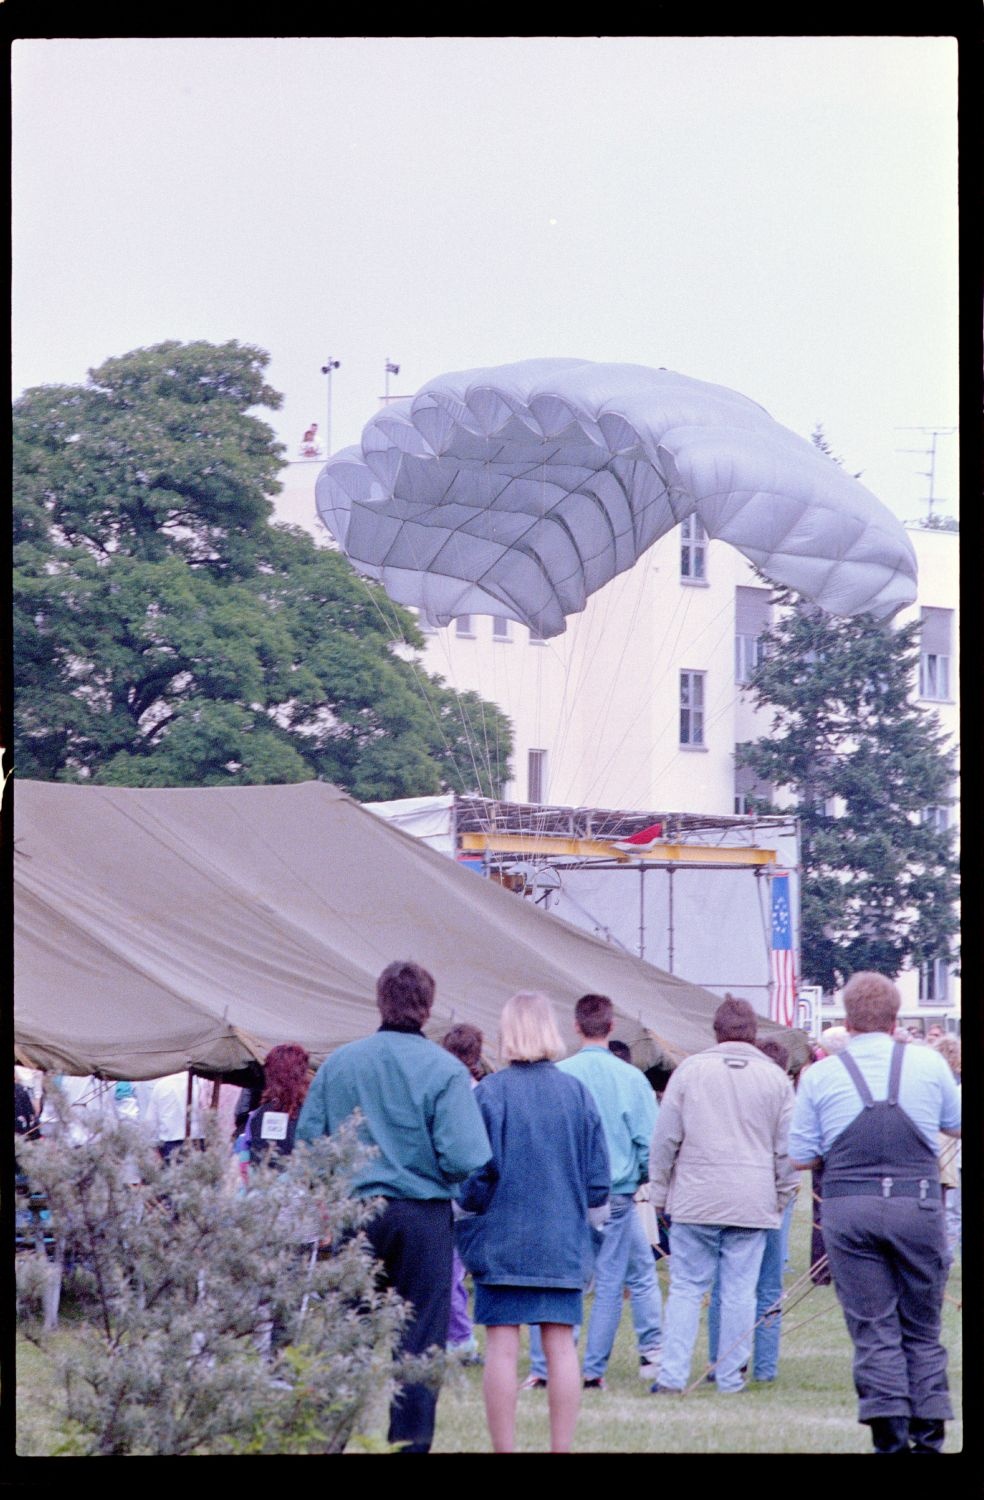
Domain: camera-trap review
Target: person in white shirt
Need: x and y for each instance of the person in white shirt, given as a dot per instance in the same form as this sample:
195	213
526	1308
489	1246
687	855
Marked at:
166	1115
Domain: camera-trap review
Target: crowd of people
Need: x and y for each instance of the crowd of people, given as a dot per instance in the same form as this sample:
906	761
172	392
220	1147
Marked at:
531	1179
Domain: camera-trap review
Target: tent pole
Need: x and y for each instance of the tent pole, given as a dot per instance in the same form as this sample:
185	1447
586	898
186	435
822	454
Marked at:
669	964
642	911
188	1097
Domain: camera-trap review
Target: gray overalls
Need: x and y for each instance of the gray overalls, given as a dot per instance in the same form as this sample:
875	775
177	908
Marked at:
883	1231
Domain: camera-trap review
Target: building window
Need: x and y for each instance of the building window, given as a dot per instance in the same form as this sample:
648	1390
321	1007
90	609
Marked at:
934	676
692	708
463	626
536	763
693	551
749	791
937	818
749	651
500	628
935	651
752	620
933	982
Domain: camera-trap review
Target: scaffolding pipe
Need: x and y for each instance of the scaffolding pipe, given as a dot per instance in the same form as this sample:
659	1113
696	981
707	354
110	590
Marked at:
670	872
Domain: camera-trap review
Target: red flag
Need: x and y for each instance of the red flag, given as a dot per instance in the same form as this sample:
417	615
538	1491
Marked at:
644	839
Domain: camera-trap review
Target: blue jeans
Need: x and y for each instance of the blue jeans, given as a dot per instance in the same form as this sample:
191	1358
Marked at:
624	1259
768	1291
698	1253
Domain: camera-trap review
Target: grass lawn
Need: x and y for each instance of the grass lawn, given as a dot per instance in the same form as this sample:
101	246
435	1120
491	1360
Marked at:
810	1409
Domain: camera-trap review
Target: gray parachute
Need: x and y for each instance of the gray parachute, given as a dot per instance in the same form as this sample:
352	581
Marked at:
522	489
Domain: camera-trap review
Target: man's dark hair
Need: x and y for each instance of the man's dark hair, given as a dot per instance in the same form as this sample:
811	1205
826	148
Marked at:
620	1049
404	994
595	1015
735	1021
776	1051
465	1043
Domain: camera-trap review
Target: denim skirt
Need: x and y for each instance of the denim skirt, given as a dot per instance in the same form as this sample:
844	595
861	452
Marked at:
514	1305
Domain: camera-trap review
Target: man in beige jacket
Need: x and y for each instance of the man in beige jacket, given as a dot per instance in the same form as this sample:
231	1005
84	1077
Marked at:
718	1166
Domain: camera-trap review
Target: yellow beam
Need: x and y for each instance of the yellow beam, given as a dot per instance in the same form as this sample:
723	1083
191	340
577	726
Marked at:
571	848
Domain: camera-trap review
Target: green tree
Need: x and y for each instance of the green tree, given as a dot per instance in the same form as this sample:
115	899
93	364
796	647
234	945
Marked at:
166	632
863	763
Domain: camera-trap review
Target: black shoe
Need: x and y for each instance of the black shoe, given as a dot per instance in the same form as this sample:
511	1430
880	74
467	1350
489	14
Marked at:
595	1384
890	1434
927	1434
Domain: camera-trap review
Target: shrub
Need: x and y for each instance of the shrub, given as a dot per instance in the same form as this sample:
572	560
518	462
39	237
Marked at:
218	1319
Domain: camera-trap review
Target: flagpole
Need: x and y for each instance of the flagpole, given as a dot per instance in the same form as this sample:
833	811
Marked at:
326	369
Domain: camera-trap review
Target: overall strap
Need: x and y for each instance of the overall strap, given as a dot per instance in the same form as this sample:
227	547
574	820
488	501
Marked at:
857	1079
895	1072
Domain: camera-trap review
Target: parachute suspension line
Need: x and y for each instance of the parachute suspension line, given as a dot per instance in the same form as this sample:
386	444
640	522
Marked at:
462	715
600	648
681	604
645	768
538	708
681	608
579	676
615	676
494	782
394	627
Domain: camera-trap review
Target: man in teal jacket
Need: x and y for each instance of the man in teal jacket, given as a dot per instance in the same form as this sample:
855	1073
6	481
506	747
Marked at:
420	1113
628	1110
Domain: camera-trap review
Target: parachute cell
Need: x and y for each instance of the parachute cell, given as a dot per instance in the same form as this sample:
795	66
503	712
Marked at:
521	490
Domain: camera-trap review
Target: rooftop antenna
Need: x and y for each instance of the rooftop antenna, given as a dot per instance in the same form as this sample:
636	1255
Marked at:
930	453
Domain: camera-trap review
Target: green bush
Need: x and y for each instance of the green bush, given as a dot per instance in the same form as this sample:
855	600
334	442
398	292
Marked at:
217	1319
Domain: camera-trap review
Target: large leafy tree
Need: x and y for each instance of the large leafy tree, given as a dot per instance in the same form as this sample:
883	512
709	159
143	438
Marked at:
863	764
167	633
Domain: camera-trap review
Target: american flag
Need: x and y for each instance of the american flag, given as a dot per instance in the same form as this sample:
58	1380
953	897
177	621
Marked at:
783	1008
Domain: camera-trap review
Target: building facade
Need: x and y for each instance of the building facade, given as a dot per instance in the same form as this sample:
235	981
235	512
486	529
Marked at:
641	702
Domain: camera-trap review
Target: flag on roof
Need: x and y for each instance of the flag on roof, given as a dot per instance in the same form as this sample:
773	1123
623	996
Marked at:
637	843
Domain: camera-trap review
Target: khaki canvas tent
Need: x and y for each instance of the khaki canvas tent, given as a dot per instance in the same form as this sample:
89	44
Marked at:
157	930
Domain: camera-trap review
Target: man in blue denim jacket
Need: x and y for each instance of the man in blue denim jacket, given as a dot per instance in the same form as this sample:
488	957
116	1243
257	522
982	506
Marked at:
628	1110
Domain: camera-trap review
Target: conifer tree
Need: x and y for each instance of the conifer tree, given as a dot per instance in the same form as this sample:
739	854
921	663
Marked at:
866	769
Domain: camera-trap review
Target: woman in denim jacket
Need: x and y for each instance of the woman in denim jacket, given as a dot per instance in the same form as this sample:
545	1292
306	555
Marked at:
523	1226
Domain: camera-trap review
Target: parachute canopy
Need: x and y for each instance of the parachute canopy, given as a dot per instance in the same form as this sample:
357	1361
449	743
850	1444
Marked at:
522	489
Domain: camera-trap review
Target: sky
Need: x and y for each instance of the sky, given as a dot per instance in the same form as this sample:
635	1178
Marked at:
775	214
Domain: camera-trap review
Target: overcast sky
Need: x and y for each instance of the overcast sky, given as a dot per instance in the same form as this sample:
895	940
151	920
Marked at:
773	214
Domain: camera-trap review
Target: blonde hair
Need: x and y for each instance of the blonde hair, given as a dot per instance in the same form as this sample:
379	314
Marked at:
834	1039
528	1030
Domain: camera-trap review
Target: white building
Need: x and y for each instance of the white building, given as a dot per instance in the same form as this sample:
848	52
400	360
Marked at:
640	704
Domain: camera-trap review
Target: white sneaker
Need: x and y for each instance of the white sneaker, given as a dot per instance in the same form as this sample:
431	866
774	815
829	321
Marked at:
649	1364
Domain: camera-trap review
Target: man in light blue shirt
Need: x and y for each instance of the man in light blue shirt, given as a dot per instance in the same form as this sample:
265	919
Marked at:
871	1115
628	1110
